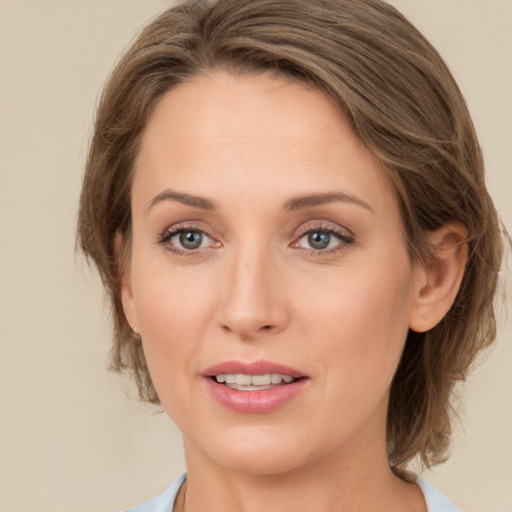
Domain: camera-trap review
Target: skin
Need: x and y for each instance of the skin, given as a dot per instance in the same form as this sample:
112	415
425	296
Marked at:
255	289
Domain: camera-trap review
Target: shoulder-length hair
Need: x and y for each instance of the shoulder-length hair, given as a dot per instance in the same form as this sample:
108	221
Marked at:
402	102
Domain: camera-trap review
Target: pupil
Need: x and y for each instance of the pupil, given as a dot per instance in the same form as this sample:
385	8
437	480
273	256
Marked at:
191	239
319	240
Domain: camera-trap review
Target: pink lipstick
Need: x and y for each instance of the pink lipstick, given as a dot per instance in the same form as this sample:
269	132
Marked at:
254	388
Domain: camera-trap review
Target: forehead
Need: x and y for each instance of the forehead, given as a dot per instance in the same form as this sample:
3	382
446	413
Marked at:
221	104
260	133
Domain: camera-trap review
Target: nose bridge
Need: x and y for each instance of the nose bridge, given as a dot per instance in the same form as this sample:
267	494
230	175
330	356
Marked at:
253	302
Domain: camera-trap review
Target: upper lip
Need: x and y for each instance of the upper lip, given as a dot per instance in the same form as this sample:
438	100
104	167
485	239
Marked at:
260	367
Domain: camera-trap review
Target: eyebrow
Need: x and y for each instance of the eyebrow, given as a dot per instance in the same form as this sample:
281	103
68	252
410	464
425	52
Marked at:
293	204
188	199
297	203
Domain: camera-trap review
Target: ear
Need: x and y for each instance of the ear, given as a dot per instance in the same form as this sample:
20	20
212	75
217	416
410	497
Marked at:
436	285
125	284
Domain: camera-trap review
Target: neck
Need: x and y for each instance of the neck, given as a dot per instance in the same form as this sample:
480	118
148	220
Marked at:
341	482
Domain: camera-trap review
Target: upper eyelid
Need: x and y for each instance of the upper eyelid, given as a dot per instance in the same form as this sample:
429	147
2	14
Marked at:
190	225
320	225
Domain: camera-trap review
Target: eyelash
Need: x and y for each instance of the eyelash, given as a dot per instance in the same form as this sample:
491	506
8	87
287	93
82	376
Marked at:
166	237
344	237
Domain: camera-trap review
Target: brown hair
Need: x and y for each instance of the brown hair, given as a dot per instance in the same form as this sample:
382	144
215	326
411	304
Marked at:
402	102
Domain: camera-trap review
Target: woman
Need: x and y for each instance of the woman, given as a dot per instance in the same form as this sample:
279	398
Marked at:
286	203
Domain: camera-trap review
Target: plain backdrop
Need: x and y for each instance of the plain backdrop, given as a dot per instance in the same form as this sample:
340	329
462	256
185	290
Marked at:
72	437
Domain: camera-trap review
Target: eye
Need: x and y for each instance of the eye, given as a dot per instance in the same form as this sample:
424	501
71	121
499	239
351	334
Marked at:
323	240
319	240
190	240
186	240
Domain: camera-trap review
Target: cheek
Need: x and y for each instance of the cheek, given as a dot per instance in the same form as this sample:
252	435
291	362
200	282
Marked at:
173	310
168	347
361	321
167	300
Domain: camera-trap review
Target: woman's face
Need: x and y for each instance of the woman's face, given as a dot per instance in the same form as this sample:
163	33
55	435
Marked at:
267	242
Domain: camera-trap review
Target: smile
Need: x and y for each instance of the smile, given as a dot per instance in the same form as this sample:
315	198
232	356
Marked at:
254	388
245	382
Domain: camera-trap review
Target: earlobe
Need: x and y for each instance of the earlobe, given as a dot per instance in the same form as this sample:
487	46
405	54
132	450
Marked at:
125	285
437	285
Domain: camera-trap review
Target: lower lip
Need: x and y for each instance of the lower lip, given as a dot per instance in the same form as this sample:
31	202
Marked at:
255	402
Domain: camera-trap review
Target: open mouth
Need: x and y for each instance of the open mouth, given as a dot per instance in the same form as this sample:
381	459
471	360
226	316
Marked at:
256	387
245	382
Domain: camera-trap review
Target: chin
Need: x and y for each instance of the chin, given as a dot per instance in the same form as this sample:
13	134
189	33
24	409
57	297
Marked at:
262	453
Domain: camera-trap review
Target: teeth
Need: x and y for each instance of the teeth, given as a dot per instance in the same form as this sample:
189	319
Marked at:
235	380
260	380
276	378
243	380
248	388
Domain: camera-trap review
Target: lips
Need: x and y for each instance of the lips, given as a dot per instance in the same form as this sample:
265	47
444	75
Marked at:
256	387
254	368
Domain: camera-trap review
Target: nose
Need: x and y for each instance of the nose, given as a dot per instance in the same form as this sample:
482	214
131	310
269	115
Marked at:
253	303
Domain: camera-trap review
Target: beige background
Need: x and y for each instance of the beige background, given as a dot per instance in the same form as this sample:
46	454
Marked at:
70	439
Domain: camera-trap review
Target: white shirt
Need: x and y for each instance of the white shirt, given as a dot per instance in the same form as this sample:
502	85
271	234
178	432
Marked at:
436	501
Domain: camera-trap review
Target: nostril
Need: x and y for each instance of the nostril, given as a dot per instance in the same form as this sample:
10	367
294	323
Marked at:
248	330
